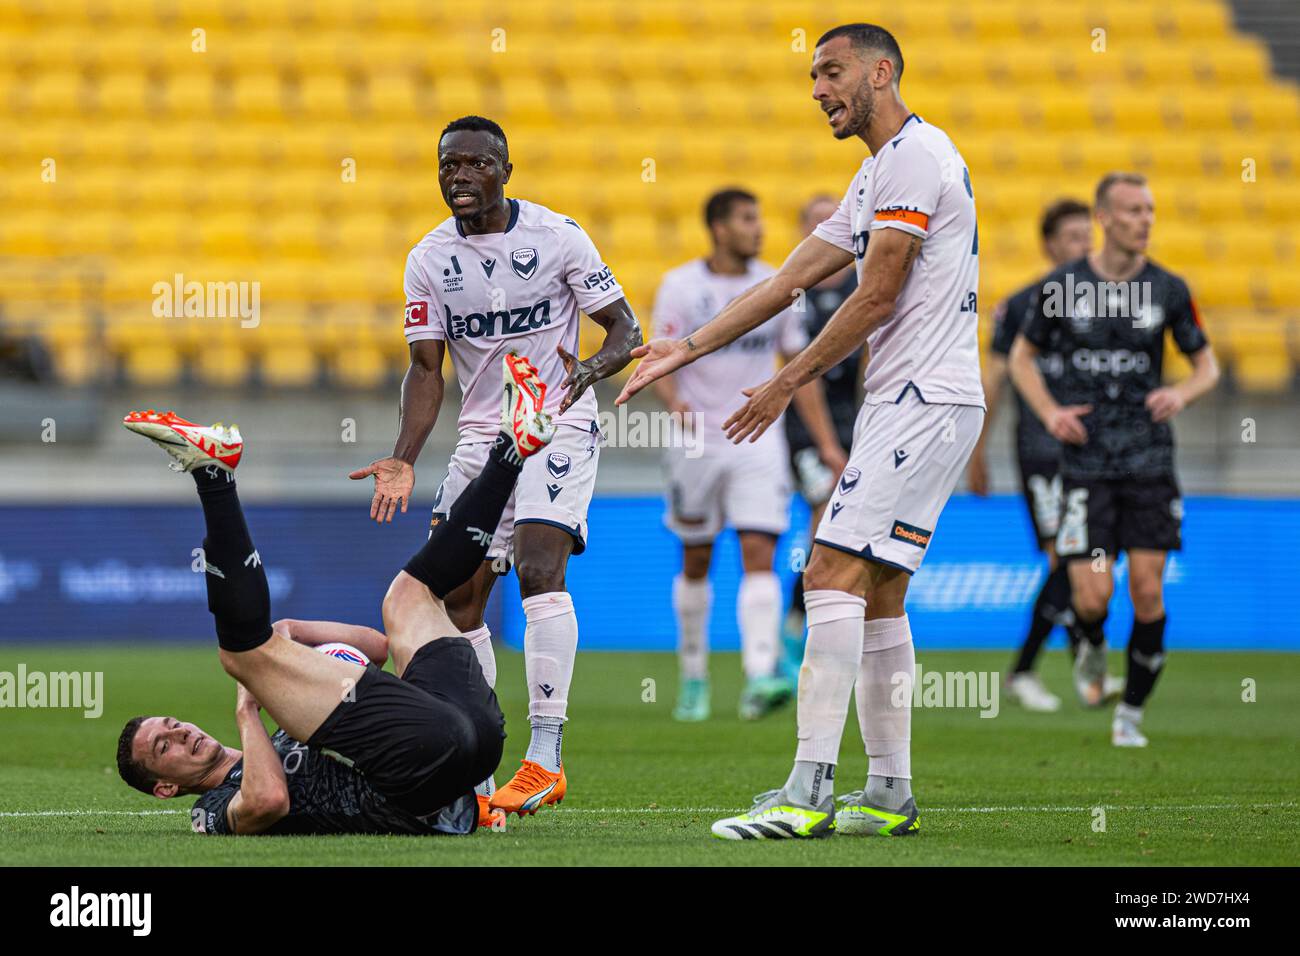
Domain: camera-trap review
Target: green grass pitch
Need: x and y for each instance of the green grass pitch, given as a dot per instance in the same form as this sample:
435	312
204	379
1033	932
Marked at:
1217	785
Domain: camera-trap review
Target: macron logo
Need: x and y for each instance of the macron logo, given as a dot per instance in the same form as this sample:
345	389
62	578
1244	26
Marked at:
74	909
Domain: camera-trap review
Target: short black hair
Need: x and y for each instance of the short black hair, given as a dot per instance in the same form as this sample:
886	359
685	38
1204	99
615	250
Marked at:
478	124
1058	212
868	36
131	770
719	205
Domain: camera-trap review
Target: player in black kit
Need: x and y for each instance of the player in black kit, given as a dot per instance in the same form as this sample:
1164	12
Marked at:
359	750
1066	233
1106	315
817	469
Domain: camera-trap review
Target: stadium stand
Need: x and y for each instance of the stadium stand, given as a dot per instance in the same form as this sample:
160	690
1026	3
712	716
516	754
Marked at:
293	145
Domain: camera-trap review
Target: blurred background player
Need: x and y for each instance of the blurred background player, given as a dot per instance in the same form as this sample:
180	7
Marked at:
908	219
1066	233
1107	315
507	274
816	469
713	483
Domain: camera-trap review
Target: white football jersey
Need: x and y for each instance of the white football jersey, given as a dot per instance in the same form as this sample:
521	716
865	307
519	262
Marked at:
691	296
520	289
919	183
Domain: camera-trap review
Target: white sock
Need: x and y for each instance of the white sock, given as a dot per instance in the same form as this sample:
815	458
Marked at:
481	640
550	644
758	611
884	697
830	664
692	600
544	744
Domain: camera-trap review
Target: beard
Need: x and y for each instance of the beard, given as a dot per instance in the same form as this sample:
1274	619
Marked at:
862	107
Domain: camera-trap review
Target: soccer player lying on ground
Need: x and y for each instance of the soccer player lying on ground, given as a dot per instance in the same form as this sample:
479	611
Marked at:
359	750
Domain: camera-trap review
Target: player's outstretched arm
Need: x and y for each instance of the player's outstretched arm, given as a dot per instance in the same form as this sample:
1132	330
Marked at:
421	399
622	335
890	255
811	261
372	643
263	797
810	405
1061	421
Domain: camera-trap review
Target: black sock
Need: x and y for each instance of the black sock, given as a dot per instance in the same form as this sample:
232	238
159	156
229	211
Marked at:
458	545
1094	632
1146	659
238	596
1053	599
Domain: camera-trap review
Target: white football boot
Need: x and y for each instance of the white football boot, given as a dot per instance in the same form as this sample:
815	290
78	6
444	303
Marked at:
522	399
1028	691
189	445
1126	727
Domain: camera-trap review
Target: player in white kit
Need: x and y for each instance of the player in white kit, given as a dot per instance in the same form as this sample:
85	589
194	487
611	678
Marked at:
713	483
908	219
506	275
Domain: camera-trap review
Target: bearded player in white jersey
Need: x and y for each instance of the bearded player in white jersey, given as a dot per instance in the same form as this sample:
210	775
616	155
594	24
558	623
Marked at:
713	483
908	219
506	275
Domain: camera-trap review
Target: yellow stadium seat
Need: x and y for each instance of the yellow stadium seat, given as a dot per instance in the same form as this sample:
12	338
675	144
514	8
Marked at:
222	366
361	368
152	364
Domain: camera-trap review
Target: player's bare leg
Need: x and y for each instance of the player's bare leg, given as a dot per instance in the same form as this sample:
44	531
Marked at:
758	612
692	602
550	646
1146	646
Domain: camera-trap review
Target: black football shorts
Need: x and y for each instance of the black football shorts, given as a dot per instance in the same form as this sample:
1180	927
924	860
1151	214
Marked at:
1122	514
425	739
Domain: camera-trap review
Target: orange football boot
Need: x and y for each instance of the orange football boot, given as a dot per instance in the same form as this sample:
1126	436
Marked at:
530	789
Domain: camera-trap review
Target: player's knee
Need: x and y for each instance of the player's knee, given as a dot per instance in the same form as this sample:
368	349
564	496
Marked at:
827	574
398	601
757	551
1148	597
1090	602
540	573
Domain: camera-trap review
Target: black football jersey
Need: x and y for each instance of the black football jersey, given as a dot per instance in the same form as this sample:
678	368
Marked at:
328	796
1111	338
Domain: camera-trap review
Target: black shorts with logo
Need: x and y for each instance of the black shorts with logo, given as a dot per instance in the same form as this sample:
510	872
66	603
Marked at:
1040	481
425	739
1119	514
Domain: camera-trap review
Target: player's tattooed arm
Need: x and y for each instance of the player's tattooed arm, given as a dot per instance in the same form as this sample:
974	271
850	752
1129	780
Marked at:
622	335
263	797
890	255
421	400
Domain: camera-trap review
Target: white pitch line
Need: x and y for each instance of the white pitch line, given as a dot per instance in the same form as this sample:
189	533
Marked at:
606	811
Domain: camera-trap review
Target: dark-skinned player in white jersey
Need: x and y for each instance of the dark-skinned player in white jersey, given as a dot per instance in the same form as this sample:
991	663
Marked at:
504	274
